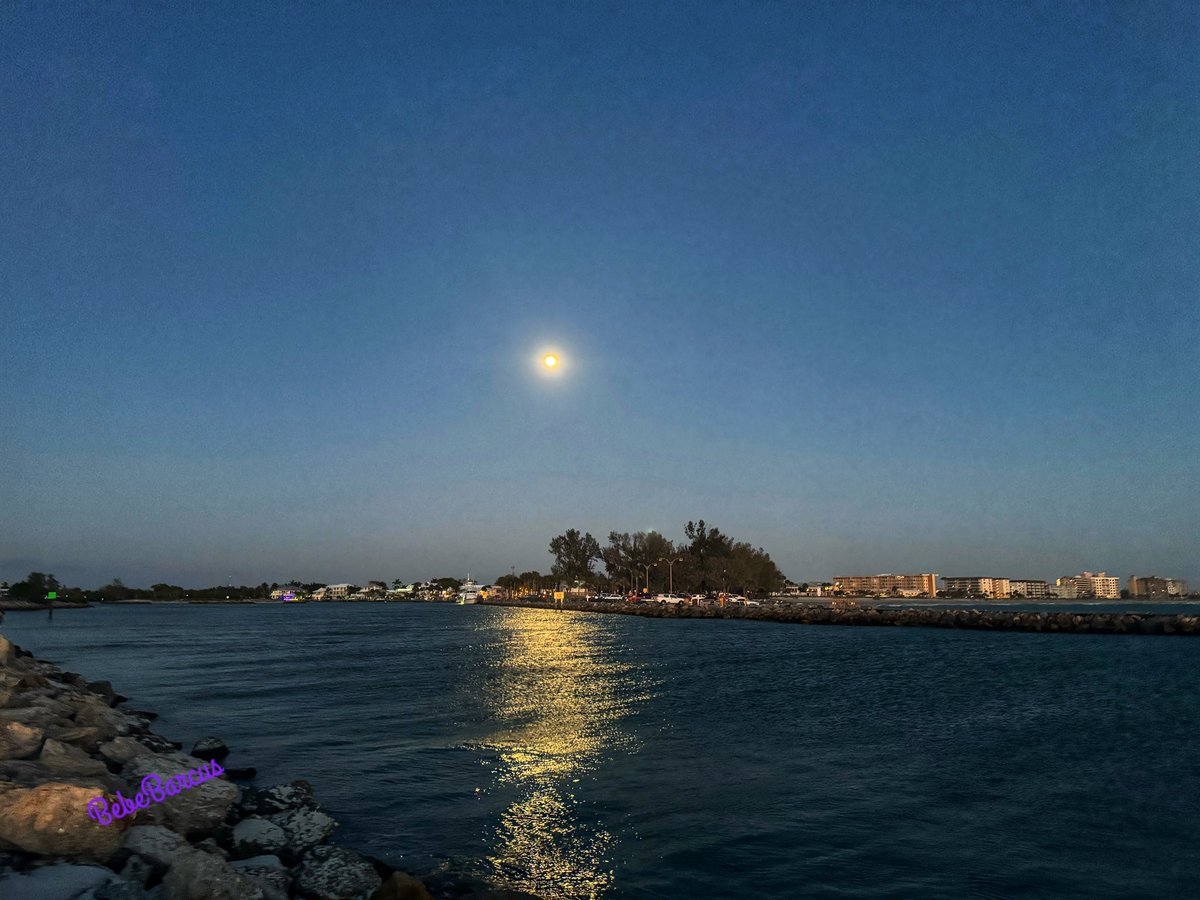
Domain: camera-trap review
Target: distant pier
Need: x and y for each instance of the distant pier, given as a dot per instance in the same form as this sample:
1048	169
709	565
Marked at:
913	617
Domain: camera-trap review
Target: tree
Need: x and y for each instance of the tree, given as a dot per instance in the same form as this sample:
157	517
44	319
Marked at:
574	554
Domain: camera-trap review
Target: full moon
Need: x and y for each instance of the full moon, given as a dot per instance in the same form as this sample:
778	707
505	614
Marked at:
550	361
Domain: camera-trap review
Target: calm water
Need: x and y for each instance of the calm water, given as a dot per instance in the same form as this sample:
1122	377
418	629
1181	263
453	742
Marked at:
610	756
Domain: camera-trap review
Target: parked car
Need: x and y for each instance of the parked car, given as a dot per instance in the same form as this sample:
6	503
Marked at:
610	598
670	598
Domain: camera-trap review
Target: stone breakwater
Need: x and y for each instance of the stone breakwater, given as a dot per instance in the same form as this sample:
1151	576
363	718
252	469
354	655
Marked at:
921	617
63	741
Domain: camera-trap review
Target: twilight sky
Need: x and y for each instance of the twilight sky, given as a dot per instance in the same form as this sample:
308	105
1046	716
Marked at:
876	286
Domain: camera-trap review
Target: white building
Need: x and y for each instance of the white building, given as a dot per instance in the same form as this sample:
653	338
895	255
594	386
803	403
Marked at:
1030	588
1091	584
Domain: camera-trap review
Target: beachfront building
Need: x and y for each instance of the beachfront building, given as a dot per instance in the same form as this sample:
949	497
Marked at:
977	586
1064	588
332	592
923	585
1030	588
1152	586
1091	584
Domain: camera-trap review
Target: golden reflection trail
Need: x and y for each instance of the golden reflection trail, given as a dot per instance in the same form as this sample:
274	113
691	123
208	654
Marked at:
555	693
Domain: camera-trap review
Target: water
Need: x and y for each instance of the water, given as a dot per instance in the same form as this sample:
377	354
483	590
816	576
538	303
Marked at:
583	755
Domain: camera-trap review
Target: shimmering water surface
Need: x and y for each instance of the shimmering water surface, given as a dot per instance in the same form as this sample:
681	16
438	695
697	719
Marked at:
583	755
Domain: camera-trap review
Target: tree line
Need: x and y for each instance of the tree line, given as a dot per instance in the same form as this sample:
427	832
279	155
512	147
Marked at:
706	560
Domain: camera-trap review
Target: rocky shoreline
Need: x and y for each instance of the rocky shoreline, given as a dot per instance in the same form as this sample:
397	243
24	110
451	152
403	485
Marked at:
919	617
64	742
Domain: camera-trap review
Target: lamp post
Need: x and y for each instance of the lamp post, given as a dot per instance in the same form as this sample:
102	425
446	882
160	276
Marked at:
670	571
647	567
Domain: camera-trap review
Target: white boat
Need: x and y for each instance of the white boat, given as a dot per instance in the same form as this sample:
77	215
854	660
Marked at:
469	592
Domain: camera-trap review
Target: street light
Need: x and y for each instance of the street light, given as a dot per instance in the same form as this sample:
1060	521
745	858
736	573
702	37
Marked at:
647	567
670	571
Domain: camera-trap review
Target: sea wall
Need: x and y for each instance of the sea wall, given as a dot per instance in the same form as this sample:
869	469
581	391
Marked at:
64	741
920	617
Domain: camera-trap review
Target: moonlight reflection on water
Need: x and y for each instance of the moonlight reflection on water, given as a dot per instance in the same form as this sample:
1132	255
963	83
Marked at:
561	718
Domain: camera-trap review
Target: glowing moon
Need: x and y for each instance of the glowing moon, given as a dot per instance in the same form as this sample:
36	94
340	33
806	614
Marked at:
550	361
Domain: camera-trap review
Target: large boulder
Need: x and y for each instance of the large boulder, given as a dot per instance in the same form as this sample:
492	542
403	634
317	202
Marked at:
18	741
121	750
210	748
80	736
7	651
96	714
37	716
105	690
59	882
195	812
156	846
201	876
279	798
255	837
305	828
335	873
63	759
268	872
51	819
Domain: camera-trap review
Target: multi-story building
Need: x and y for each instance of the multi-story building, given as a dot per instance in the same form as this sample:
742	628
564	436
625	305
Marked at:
1030	588
1153	586
1092	584
977	586
923	585
1064	588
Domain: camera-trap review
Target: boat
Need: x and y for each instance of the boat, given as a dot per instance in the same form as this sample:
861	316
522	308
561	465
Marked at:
469	592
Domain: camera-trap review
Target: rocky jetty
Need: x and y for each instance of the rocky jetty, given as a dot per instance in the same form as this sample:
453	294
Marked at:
920	617
63	742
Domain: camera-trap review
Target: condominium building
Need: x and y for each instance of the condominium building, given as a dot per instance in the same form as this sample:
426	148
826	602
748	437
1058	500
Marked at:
1092	584
1030	588
1153	586
977	586
923	585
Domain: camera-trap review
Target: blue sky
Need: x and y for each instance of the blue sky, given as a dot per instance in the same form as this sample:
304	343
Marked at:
878	287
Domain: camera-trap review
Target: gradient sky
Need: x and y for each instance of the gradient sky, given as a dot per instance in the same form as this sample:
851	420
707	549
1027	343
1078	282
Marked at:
876	286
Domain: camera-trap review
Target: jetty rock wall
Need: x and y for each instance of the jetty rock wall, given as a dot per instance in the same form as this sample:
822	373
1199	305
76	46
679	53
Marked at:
919	617
63	742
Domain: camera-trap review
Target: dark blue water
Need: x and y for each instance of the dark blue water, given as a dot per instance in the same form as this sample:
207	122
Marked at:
583	755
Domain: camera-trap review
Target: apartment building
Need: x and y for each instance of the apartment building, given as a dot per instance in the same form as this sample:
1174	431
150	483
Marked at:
1091	584
1031	588
977	586
923	585
1153	586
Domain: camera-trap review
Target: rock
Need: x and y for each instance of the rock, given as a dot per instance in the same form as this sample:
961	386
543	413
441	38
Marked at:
210	748
246	774
208	845
58	882
117	890
159	744
121	750
254	837
105	690
37	716
137	871
63	759
18	740
401	886
84	737
195	812
109	722
268	872
150	715
305	828
279	798
7	654
155	846
335	873
199	876
51	819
